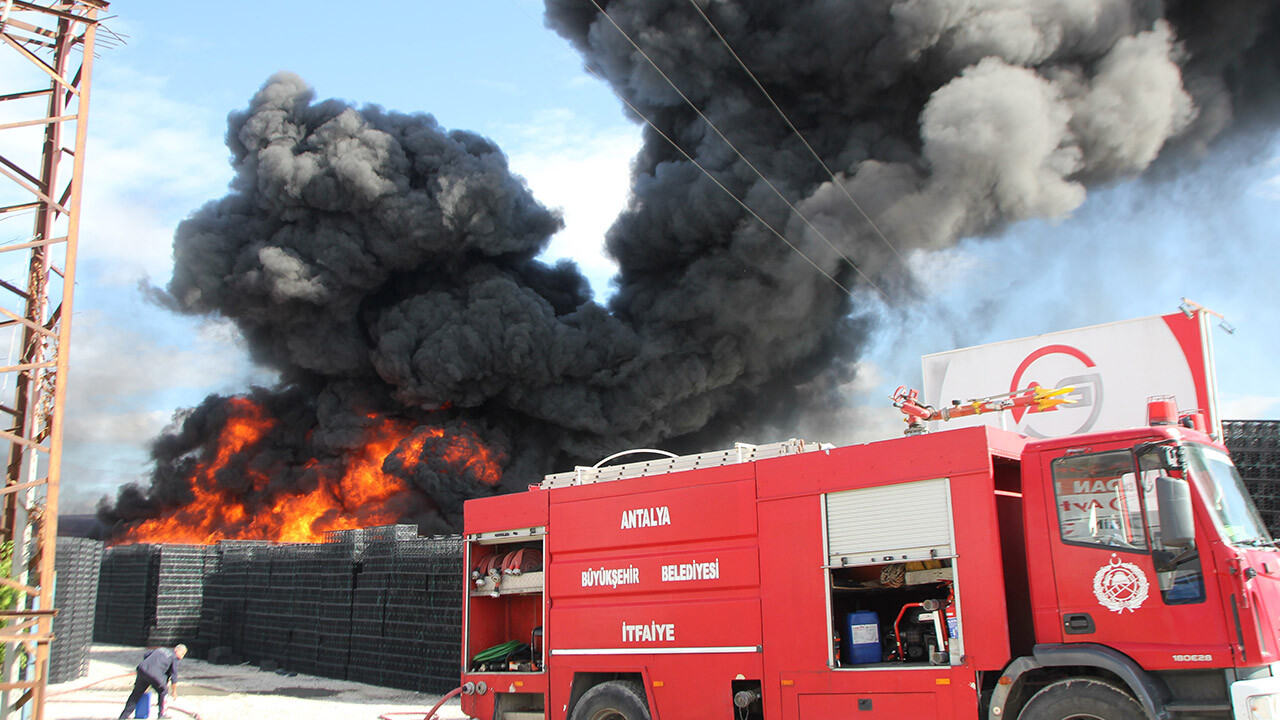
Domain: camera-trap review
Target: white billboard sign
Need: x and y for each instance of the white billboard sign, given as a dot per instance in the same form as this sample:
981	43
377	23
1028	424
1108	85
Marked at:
1113	369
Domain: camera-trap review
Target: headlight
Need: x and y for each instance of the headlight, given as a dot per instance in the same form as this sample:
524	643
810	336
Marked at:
1264	707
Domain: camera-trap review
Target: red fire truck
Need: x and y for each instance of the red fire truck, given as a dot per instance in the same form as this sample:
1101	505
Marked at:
969	573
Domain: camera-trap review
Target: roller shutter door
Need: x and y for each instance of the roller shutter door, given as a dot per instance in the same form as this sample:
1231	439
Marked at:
890	523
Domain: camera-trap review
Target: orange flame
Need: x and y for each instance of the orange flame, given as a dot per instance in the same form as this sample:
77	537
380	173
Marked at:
358	494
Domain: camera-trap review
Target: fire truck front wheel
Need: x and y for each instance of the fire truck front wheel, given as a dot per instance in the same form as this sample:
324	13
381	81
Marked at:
1081	699
613	700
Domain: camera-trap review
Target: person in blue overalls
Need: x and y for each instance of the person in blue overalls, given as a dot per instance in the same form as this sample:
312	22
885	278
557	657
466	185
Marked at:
158	670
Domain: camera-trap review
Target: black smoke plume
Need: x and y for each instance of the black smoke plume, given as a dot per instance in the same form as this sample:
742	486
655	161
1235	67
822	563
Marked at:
384	265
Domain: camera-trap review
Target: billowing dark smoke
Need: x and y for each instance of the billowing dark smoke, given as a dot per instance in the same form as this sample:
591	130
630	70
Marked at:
388	267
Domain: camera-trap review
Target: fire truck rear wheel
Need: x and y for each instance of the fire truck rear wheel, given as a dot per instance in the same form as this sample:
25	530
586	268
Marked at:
613	700
1082	699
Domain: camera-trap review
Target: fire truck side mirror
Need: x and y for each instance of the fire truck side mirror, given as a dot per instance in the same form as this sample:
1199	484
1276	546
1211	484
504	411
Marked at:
1177	528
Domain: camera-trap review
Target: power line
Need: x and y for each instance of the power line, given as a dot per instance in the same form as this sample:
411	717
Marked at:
733	147
708	173
746	207
791	125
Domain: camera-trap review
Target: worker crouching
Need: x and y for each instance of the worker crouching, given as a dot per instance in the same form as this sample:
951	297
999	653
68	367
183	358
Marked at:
158	670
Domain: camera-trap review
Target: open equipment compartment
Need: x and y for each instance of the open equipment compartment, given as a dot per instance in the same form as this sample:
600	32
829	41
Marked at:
891	613
505	604
891	576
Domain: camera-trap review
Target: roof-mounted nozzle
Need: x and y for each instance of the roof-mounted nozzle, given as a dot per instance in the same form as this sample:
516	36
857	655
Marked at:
1035	398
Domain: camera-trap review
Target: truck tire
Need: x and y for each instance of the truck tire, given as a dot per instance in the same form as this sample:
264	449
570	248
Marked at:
1082	699
613	700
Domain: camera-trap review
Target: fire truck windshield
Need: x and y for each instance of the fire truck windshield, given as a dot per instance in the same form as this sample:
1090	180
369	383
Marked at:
1229	499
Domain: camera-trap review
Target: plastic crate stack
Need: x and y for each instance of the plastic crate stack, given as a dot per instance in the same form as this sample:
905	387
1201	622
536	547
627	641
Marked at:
292	610
406	617
336	564
373	572
378	605
298	637
425	603
76	564
263	608
226	590
126	608
214	630
255	615
179	598
326	576
266	606
1255	449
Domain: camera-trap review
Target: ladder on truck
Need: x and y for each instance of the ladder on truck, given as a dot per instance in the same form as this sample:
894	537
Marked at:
739	453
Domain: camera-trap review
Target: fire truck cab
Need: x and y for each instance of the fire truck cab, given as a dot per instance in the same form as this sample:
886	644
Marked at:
970	573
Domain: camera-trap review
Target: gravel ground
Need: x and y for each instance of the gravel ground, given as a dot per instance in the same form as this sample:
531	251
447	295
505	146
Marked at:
234	692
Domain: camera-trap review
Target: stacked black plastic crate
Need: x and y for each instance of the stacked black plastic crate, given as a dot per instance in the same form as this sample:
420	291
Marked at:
180	582
126	608
295	586
226	597
404	630
267	619
374	568
264	606
214	629
1255	449
435	565
406	614
378	605
333	566
77	564
301	635
406	610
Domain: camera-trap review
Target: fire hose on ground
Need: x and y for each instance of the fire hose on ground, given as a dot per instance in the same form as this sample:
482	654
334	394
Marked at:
109	679
430	713
385	716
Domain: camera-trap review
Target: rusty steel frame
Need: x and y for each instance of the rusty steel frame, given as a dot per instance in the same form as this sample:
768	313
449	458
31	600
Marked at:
54	40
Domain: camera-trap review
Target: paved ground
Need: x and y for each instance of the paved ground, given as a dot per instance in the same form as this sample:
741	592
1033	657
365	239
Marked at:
222	692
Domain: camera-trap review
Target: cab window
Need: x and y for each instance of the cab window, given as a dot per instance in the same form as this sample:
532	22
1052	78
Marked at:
1099	501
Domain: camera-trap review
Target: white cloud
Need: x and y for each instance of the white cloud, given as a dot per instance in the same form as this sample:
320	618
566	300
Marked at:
1248	407
1270	187
20	145
122	372
125	382
84	483
121	428
946	269
150	161
586	173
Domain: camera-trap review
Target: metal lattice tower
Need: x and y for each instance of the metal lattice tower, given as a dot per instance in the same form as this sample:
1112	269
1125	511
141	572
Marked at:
46	59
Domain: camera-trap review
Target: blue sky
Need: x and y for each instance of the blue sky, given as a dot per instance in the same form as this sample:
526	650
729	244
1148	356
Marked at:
156	153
